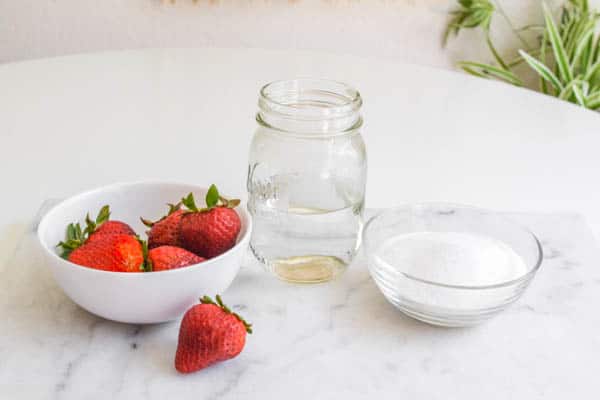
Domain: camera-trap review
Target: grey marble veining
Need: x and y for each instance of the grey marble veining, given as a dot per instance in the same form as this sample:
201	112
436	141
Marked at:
336	340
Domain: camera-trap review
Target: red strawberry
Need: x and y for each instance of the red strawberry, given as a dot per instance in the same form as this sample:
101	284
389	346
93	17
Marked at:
120	253
169	257
112	228
213	230
94	229
209	333
165	231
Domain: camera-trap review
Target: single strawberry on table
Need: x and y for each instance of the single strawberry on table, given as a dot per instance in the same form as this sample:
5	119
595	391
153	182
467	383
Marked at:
163	258
212	230
165	231
210	332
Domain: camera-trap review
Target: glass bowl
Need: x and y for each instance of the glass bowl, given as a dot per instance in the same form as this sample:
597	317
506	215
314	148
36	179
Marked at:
450	265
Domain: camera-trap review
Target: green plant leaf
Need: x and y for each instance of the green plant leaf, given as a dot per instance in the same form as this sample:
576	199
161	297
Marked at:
474	19
579	95
212	196
593	101
570	37
519	60
583	52
566	60
582	39
531	27
542	80
490	71
583	5
589	75
542	70
560	55
471	14
590	58
494	52
573	92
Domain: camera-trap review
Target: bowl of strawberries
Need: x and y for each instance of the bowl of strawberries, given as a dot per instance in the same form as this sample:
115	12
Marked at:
144	252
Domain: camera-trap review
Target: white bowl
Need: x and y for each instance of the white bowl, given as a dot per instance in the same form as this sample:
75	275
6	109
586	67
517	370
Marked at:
139	298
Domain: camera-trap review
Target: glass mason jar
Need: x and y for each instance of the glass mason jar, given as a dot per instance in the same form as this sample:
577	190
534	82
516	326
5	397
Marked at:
306	179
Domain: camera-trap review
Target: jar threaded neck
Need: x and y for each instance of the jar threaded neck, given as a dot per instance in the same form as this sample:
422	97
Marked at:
310	107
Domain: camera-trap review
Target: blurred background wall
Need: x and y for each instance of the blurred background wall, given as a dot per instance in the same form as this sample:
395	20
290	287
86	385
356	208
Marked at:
405	30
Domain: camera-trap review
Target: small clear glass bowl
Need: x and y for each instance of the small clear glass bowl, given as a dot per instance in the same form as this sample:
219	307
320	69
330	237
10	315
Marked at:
457	303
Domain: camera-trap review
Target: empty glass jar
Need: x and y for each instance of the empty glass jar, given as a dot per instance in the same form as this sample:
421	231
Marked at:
306	179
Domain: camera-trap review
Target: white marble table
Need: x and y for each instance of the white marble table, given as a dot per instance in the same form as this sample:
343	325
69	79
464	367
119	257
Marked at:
336	340
73	123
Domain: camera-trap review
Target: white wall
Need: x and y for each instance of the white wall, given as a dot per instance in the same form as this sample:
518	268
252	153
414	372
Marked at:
406	30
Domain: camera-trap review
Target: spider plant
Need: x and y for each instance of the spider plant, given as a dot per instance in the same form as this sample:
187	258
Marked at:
566	55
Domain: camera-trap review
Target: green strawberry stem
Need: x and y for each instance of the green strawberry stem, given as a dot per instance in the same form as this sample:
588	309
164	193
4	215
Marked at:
172	209
146	265
207	300
212	196
103	216
213	199
75	236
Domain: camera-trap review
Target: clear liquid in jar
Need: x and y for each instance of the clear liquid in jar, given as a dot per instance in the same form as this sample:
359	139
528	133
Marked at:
305	230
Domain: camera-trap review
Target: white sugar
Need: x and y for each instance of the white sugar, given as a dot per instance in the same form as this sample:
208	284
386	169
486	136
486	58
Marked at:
452	258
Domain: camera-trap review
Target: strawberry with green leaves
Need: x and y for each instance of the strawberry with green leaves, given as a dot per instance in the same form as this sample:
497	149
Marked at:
209	333
212	230
104	244
102	225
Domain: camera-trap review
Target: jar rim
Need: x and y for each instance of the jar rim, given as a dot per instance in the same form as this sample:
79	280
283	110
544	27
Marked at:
310	107
310	98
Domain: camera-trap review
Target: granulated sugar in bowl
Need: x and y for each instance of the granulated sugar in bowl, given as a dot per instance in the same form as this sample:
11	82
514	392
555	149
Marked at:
450	265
